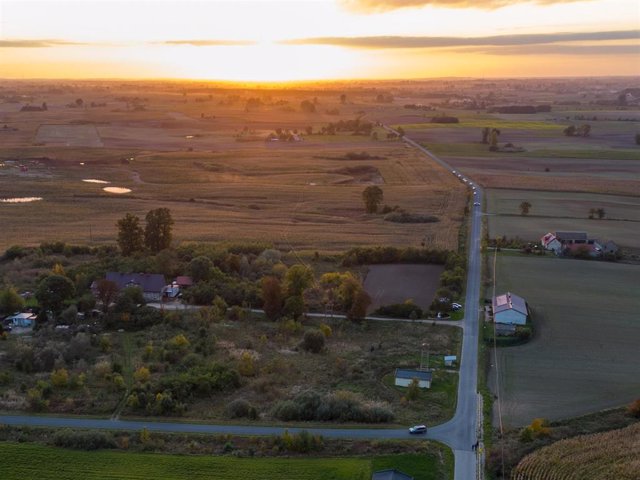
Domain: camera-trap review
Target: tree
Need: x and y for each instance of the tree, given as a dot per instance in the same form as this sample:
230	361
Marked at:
413	390
272	297
200	268
372	197
524	208
400	132
570	131
79	102
343	99
485	135
307	106
601	213
297	279
10	301
359	305
585	130
53	291
130	235
106	292
313	341
592	213
493	144
157	232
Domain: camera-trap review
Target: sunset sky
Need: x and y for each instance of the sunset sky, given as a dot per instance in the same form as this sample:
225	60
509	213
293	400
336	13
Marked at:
318	39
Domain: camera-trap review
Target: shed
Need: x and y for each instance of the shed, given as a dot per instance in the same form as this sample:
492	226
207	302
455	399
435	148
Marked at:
405	377
449	360
505	329
509	308
391	474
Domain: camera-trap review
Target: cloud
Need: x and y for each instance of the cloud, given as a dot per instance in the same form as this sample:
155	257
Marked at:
209	43
373	6
560	50
36	43
381	42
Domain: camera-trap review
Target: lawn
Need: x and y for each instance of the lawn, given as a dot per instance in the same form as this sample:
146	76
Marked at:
20	461
563	211
584	353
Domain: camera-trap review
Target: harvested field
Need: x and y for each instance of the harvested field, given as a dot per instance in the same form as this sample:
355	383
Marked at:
69	135
601	456
389	284
584	354
551	211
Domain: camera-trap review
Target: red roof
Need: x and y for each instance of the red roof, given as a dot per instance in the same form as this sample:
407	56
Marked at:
184	281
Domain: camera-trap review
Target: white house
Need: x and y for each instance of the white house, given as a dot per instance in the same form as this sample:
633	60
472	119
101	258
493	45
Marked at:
22	319
405	377
551	242
509	308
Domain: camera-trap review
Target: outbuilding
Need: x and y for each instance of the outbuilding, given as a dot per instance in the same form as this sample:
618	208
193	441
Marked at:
449	360
510	308
391	474
405	377
25	320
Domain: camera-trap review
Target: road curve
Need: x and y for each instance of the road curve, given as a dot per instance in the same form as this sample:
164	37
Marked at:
459	433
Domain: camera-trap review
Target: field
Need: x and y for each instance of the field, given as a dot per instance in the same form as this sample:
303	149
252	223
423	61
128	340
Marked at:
389	284
601	456
205	158
563	211
584	355
20	461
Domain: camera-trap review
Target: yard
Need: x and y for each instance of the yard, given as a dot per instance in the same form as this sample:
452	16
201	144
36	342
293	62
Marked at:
584	355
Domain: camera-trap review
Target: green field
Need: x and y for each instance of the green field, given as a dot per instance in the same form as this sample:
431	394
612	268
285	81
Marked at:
563	211
26	461
584	354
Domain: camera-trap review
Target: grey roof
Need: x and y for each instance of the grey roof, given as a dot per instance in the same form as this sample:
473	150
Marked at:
509	301
148	282
391	474
411	374
505	328
565	236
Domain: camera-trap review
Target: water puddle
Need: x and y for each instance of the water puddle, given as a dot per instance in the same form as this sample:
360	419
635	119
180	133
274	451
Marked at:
117	190
20	199
94	180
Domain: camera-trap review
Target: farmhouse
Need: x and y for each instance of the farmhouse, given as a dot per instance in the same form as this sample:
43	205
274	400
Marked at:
551	242
405	377
570	243
509	308
391	474
151	284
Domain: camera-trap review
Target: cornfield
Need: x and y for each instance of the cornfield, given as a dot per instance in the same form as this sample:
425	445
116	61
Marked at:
601	456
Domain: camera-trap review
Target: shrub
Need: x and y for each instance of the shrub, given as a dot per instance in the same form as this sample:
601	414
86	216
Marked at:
634	409
313	341
246	367
83	440
60	378
240	408
400	310
326	330
142	375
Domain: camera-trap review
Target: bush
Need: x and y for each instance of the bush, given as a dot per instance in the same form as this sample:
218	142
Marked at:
240	408
60	378
400	310
634	409
313	341
83	440
406	217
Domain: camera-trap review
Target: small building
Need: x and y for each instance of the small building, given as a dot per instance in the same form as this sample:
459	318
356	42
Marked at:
572	237
151	284
25	319
391	474
610	248
551	242
405	377
449	360
183	281
510	308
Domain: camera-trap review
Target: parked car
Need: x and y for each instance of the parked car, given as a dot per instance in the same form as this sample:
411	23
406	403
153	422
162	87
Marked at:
477	204
418	429
456	306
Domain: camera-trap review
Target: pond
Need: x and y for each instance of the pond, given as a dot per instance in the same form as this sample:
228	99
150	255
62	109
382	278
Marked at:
20	199
117	190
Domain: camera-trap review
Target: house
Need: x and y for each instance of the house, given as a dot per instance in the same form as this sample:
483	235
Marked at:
391	474
572	237
449	360
183	281
610	248
551	242
509	308
25	320
151	284
405	377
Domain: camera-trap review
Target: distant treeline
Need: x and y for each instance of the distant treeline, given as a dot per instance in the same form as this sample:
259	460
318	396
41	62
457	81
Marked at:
376	255
520	109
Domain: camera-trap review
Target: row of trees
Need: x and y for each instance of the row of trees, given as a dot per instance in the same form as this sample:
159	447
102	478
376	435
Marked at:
155	236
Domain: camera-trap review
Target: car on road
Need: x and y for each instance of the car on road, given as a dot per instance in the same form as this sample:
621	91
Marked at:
477	204
456	306
418	429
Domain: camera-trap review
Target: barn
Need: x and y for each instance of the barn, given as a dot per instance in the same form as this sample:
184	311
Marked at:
510	308
405	377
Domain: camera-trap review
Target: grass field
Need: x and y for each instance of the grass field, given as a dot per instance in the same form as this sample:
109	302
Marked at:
601	456
24	461
563	211
584	353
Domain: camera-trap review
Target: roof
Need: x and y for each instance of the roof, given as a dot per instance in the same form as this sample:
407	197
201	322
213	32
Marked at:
391	474
509	301
148	282
564	236
548	238
184	281
23	315
450	357
411	374
502	328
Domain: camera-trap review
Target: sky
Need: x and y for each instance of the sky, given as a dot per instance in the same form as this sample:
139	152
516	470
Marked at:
292	40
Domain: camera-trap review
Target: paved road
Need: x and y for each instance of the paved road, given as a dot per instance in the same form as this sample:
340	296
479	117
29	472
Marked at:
459	433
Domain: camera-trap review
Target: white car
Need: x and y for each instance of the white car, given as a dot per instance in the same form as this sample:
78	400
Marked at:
456	306
477	204
418	429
